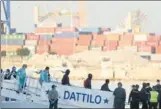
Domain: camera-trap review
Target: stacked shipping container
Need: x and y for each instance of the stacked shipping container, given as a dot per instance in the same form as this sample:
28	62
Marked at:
66	41
111	42
11	43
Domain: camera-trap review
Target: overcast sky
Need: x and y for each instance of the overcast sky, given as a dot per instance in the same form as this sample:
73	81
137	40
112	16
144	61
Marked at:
100	13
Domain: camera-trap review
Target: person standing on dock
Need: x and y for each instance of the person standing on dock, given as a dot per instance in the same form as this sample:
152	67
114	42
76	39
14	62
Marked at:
105	86
134	97
22	77
144	97
158	86
87	82
44	75
154	95
53	98
66	79
119	97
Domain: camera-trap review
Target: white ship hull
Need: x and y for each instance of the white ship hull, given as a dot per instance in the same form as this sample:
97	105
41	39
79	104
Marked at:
70	96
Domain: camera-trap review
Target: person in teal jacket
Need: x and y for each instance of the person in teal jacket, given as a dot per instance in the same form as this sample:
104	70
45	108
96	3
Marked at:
44	76
21	73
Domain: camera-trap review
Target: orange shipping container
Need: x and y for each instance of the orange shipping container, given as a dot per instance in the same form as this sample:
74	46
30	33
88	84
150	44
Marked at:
44	30
44	42
113	37
42	49
81	48
127	37
65	29
85	37
98	41
84	42
64	40
158	50
10	48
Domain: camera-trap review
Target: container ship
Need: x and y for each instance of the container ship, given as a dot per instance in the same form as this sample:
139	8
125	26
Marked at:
61	39
66	39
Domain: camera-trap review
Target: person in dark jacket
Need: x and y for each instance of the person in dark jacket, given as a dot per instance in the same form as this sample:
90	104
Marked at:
65	79
14	72
87	82
144	97
8	74
119	97
134	97
159	99
129	100
158	86
105	86
148	89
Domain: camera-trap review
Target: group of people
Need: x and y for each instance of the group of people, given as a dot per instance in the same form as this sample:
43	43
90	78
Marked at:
19	74
149	97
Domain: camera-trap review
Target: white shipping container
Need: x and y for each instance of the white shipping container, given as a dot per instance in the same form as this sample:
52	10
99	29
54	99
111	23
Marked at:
31	42
131	48
144	53
156	57
140	37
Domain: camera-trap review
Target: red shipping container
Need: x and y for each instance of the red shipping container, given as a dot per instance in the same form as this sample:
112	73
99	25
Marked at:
153	44
62	49
64	40
44	42
111	43
127	37
109	48
85	36
153	38
98	41
139	43
65	29
32	37
145	49
125	43
42	49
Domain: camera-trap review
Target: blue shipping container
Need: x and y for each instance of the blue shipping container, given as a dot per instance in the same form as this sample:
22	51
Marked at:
151	34
93	30
85	33
129	30
46	37
67	34
12	42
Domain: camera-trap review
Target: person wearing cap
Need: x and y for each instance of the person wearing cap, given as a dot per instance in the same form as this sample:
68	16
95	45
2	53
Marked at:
21	73
53	98
134	97
119	97
87	82
154	95
105	86
44	75
65	79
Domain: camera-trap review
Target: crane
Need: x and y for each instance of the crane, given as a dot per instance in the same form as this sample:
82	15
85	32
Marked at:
6	8
81	14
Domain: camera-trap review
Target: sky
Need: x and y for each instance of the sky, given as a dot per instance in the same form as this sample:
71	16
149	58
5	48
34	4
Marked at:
100	13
